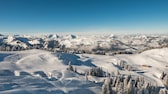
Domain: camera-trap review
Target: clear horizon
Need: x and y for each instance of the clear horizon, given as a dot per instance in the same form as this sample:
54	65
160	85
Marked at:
83	16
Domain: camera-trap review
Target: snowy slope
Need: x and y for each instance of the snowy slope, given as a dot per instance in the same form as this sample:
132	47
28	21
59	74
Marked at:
43	72
156	59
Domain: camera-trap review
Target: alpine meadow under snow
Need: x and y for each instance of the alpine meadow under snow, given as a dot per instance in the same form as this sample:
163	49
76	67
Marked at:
111	64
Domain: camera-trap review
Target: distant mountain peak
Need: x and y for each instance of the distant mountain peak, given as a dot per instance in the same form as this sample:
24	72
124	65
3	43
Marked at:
53	36
1	35
71	36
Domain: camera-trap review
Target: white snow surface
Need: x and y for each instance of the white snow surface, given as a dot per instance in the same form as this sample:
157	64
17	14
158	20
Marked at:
44	72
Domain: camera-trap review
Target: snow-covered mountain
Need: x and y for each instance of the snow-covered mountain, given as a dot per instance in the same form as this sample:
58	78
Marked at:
53	36
70	64
107	44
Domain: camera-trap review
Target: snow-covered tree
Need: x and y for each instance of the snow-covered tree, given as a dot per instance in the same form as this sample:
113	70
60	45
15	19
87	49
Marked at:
96	71
117	73
75	70
162	75
86	76
130	87
164	78
106	88
165	81
70	67
163	91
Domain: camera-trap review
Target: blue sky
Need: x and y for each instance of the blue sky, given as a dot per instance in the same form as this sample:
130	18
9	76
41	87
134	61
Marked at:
102	16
